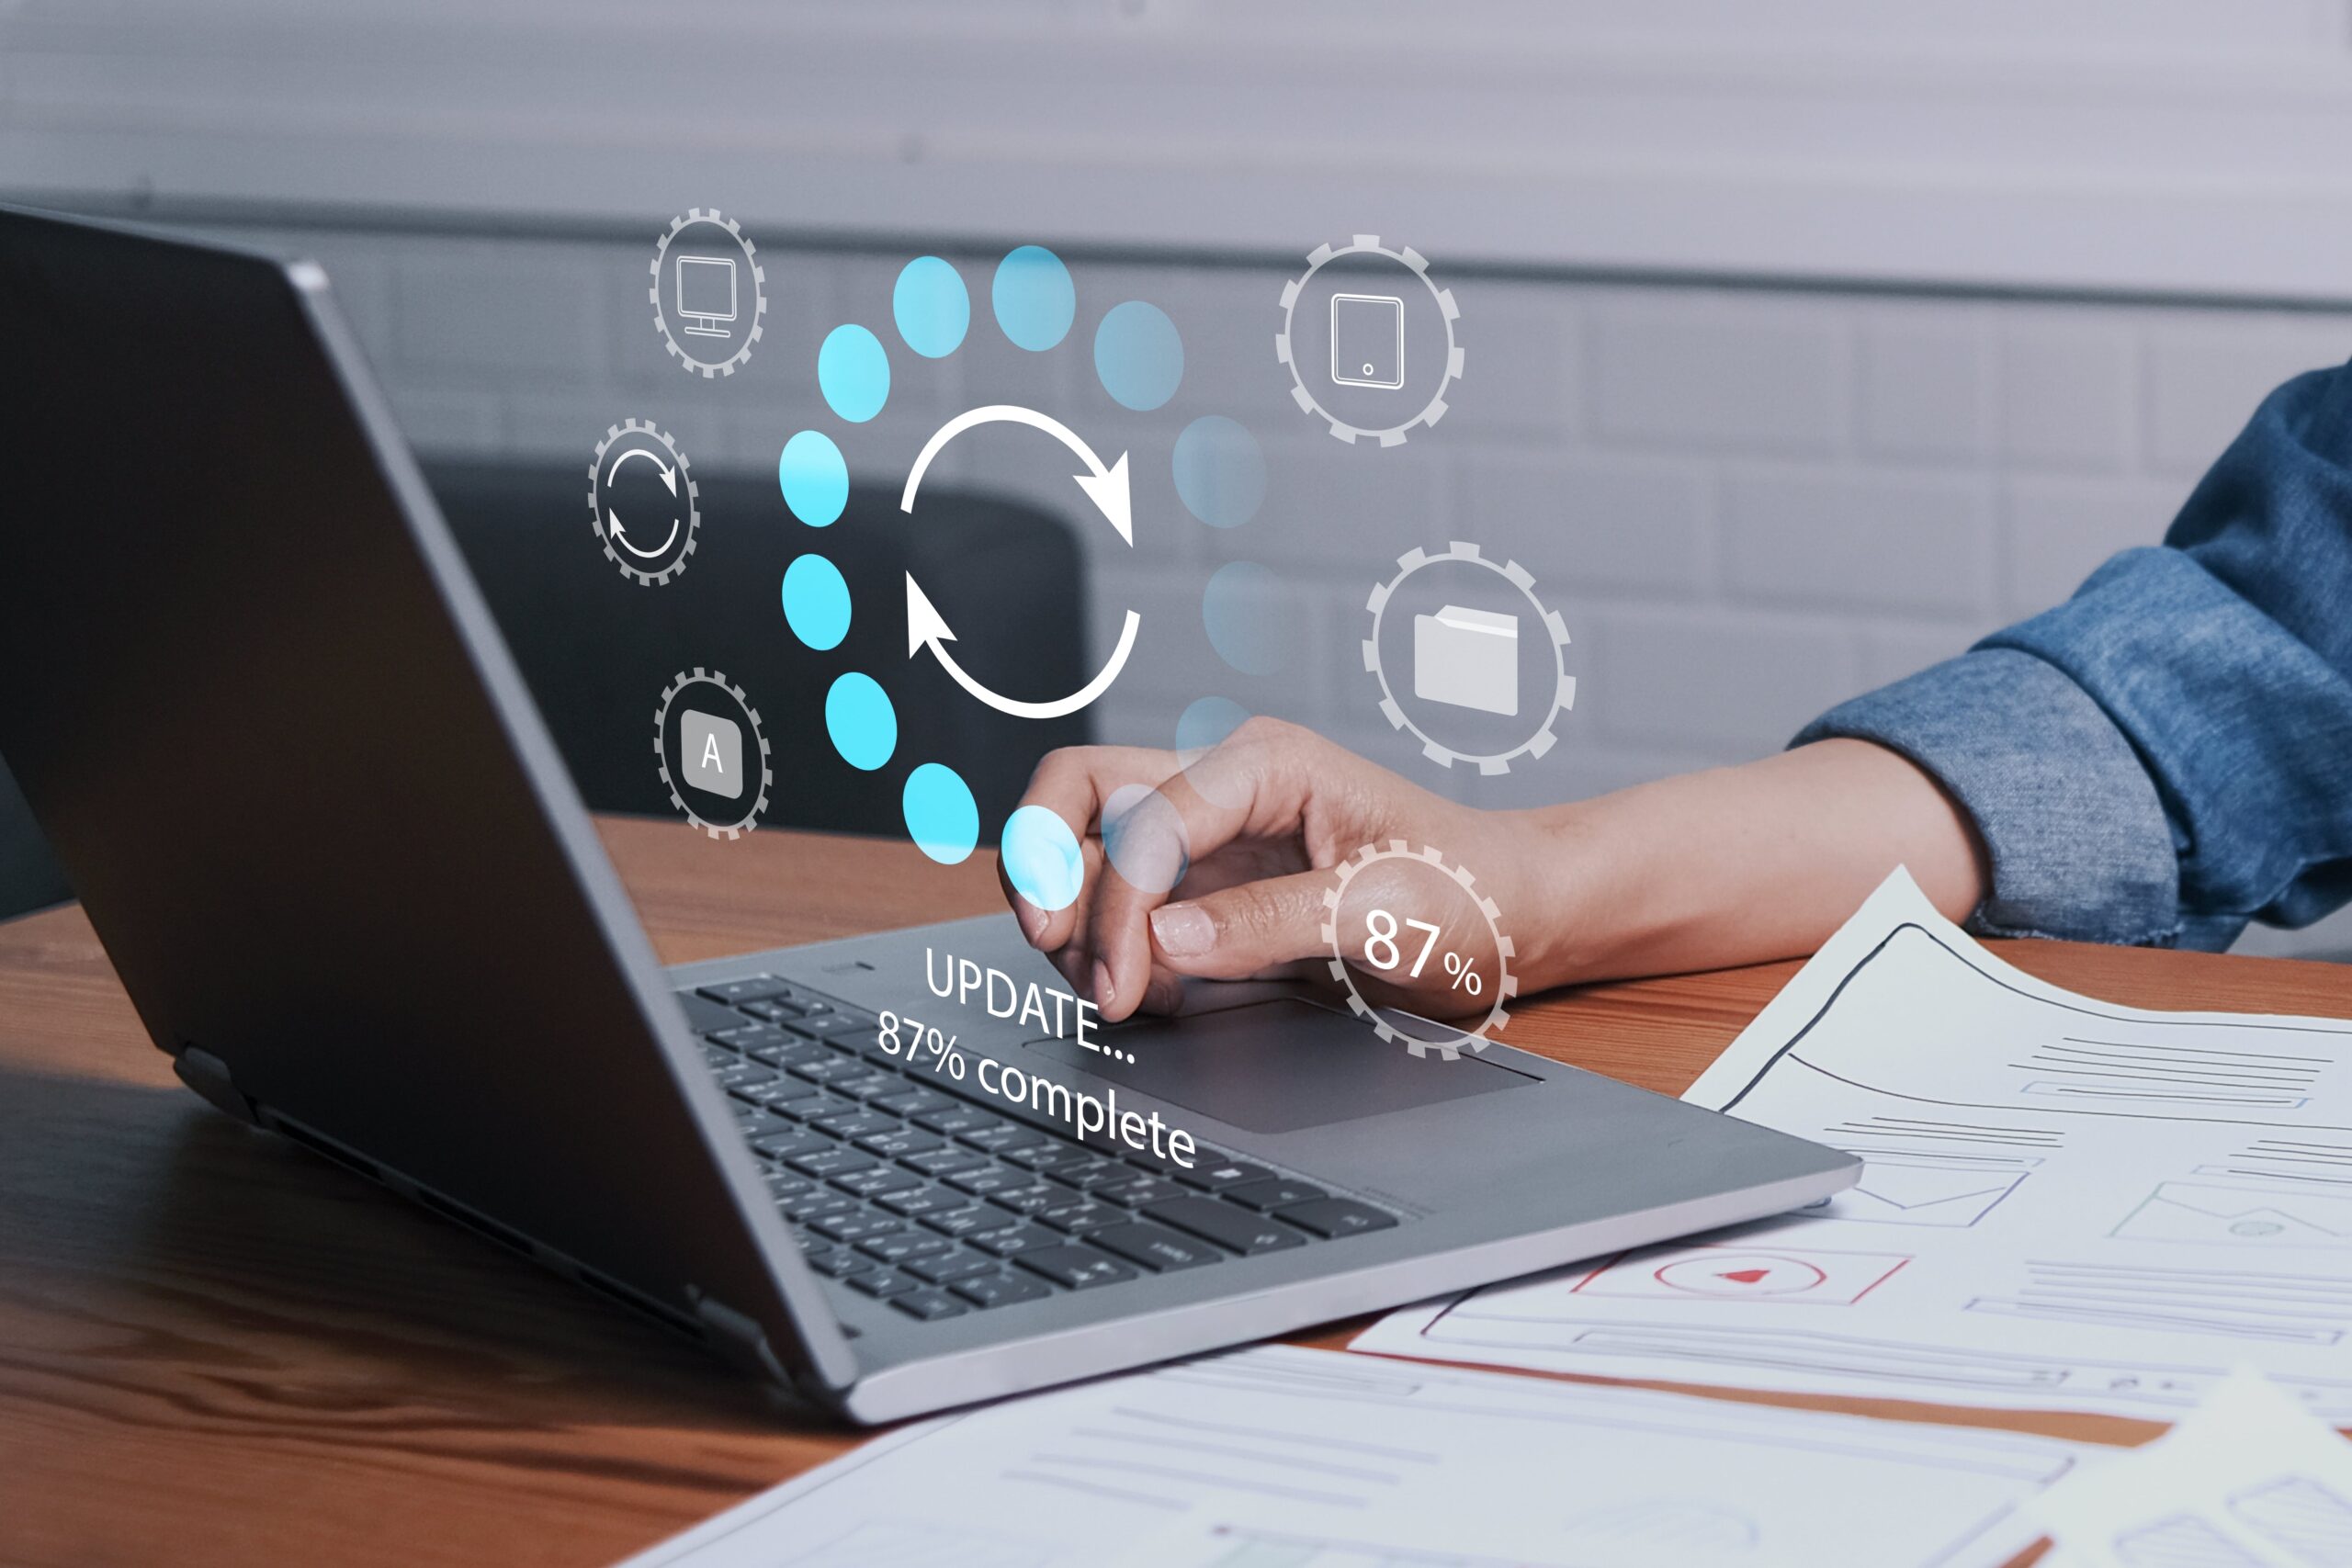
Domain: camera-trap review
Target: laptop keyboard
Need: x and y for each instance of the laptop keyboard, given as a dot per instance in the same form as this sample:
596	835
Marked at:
924	1193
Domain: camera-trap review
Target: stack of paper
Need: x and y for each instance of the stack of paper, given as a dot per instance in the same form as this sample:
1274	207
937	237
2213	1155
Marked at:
2067	1205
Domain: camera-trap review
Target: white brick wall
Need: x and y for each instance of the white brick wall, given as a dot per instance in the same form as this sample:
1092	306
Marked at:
1748	503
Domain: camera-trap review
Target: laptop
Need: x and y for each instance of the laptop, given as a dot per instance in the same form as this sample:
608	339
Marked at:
267	723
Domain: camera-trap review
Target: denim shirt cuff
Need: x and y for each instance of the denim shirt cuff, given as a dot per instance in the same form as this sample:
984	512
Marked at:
2078	841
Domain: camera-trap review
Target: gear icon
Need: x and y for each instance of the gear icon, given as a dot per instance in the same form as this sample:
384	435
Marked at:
598	517
1369	244
711	216
1506	985
699	676
1564	692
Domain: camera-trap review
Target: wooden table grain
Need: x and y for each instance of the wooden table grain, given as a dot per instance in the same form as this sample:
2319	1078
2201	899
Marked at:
215	1348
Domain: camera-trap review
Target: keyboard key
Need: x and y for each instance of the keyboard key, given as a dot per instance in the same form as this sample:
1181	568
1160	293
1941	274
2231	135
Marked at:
1139	1190
791	1143
743	1075
900	1245
874	1182
1155	1248
816	1204
750	1037
705	1016
1235	1229
969	1221
1088	1174
925	1200
1075	1267
1000	1289
1274	1192
1046	1157
834	1263
900	1142
990	1179
884	1282
1079	1215
774	1091
1219	1174
791	1054
941	1162
945	1268
830	1161
828	1068
1337	1217
831	1023
959	1120
1003	1136
717	1060
1019	1237
912	1101
929	1305
1029	1200
757	988
786	1184
776	1010
853	1121
855	1226
868	1086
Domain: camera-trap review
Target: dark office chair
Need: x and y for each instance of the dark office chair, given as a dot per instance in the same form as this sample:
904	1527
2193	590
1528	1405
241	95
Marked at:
598	648
29	874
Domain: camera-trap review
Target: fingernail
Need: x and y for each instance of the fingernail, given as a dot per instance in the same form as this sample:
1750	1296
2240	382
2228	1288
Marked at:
1183	930
1101	983
1031	919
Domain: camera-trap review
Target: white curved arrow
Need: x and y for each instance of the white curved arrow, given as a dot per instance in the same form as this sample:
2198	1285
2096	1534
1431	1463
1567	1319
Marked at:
612	518
925	628
1105	487
612	521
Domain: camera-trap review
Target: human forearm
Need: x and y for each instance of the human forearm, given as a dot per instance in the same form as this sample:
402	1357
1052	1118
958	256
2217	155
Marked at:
1734	865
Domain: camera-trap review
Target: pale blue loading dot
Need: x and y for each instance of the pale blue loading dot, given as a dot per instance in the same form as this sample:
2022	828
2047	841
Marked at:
853	373
1143	839
930	307
1205	724
941	817
1138	355
816	601
1042	859
815	479
859	717
1250	620
1034	300
1220	472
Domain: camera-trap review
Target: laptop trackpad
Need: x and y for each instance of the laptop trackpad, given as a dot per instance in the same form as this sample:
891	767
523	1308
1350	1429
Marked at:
1278	1067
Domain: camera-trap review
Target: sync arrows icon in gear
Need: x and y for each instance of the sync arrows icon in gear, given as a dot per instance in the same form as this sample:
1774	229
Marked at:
639	558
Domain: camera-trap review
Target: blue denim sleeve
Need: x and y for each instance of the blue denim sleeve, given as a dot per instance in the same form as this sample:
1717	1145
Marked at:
2168	755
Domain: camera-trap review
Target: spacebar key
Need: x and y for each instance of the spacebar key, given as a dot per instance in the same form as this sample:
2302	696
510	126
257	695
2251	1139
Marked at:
1225	1224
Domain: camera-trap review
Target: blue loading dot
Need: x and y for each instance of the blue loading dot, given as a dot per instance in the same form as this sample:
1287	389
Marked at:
941	817
853	373
1034	300
814	477
930	307
1249	617
1220	472
1138	355
816	601
1042	859
859	717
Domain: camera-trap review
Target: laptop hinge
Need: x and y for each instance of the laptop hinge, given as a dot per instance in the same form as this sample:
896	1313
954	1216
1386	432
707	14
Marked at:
207	1075
741	1341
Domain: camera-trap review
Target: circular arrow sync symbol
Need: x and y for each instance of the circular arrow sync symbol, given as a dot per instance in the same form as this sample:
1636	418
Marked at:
612	519
1105	486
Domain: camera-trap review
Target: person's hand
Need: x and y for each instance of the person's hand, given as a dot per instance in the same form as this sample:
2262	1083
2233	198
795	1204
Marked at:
1220	869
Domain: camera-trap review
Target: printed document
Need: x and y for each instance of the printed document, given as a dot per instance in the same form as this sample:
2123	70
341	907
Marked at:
2250	1480
1316	1458
2067	1205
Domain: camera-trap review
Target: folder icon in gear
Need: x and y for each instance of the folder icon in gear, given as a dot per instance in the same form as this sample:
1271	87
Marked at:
1467	659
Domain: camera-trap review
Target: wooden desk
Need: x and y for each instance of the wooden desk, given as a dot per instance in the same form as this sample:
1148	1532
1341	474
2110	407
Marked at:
216	1348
